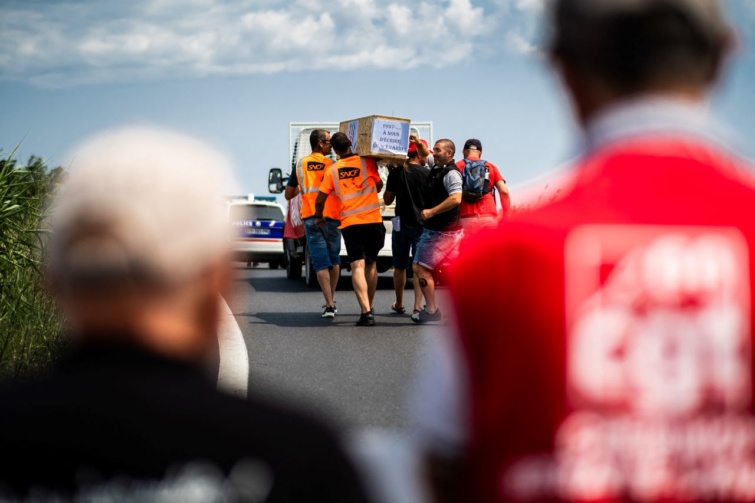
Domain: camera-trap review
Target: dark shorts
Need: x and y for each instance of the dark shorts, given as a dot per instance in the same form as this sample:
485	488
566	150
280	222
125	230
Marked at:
364	241
404	242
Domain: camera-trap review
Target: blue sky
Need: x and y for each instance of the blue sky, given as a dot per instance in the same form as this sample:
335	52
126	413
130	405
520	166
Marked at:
235	73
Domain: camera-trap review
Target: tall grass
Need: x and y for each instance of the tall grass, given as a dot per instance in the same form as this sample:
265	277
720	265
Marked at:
29	323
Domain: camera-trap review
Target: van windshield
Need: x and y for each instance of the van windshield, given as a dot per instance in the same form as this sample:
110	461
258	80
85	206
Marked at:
249	212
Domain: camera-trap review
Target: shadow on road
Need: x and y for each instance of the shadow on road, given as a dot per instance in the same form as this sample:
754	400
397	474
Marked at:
312	320
283	285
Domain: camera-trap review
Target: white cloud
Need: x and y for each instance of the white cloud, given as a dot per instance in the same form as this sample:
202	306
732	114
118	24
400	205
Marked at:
70	42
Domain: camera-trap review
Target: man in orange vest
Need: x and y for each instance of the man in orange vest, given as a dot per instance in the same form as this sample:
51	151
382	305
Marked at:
355	181
323	241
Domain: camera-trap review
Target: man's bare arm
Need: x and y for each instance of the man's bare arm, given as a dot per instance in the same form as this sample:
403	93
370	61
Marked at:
388	197
290	192
503	193
320	203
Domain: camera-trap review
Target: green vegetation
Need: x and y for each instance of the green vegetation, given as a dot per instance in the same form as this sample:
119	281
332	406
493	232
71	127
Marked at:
30	326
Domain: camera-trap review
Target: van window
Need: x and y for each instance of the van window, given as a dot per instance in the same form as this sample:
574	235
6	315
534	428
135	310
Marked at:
250	212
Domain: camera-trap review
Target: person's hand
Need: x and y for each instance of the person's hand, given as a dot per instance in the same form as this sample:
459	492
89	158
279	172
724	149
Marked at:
413	138
320	221
426	215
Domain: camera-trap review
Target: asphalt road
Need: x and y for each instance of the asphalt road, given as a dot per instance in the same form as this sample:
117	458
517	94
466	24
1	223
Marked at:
356	377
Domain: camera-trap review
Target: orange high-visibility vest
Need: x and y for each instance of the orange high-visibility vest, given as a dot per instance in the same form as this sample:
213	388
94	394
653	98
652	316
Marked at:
357	191
310	171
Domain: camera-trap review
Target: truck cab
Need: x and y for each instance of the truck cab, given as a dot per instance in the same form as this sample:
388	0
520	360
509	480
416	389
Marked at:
294	241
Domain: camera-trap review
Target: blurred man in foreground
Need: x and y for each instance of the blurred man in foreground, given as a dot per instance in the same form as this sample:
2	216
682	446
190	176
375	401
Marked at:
619	366
138	261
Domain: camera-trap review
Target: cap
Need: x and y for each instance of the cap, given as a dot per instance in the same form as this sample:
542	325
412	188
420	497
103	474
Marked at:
413	146
706	14
141	204
473	144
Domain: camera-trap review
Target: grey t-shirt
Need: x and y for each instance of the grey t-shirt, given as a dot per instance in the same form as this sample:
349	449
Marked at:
452	182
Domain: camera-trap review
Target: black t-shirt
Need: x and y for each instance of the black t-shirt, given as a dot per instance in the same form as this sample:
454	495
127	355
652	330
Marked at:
122	420
407	184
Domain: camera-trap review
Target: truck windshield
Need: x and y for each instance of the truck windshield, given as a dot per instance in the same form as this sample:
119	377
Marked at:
248	212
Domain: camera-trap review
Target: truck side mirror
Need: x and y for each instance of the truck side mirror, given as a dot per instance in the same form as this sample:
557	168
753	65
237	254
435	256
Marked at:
275	181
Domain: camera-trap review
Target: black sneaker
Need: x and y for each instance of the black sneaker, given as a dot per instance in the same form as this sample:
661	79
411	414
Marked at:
425	316
330	312
366	320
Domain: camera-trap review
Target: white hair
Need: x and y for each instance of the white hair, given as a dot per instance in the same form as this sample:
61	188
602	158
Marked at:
140	201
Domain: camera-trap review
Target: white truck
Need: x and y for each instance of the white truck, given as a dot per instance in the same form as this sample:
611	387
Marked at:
295	253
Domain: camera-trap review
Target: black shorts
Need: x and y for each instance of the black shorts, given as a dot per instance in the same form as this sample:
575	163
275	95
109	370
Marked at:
363	241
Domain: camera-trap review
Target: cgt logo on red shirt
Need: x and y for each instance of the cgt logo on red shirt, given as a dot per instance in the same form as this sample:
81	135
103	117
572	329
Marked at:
315	166
346	173
659	370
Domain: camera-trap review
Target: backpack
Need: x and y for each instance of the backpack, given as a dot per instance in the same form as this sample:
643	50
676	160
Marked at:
475	180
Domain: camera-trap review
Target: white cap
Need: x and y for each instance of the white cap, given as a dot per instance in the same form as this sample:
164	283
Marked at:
140	203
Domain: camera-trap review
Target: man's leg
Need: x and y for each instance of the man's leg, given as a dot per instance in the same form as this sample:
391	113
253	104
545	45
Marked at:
399	280
335	273
417	293
319	253
427	285
324	279
371	277
402	242
359	282
333	241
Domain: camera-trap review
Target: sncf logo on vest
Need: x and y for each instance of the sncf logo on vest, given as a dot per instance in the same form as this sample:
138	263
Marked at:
345	173
315	166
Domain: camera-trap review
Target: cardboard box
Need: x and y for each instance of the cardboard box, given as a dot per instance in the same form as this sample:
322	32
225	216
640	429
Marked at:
378	136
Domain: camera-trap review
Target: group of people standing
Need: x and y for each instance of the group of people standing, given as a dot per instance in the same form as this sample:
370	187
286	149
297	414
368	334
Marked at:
433	215
341	199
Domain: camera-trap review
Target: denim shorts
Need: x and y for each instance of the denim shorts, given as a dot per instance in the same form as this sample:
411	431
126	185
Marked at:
437	246
403	242
324	243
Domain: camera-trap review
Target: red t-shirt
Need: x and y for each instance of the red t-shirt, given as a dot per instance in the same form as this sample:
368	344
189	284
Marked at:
611	357
486	205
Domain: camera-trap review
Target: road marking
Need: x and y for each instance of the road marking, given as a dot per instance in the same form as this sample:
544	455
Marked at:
233	374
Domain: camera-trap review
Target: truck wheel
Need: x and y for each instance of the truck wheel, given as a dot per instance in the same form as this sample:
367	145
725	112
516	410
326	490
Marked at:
293	266
274	264
310	276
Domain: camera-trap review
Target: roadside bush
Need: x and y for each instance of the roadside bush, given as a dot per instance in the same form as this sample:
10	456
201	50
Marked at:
30	326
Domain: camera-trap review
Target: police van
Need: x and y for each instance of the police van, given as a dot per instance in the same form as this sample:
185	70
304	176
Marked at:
256	229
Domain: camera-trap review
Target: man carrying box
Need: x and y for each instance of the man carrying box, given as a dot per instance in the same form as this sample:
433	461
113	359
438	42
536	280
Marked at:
355	181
